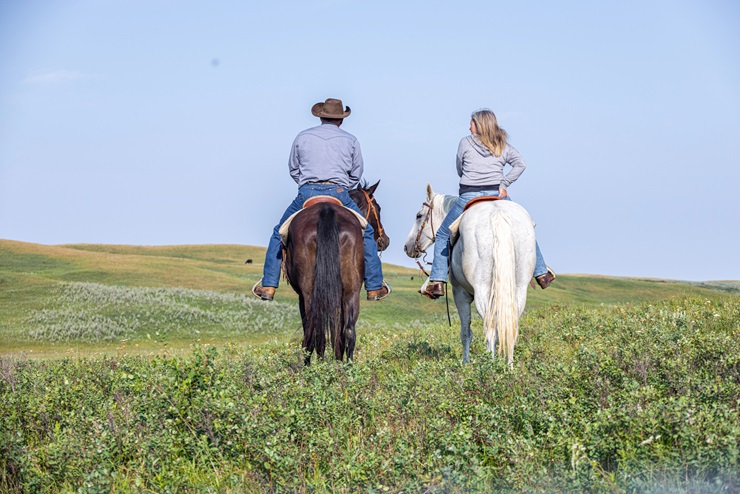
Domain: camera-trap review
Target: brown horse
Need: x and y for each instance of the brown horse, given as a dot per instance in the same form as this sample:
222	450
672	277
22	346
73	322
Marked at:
325	265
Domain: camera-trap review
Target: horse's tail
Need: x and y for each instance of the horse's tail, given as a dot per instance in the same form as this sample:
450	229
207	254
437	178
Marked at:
325	311
502	316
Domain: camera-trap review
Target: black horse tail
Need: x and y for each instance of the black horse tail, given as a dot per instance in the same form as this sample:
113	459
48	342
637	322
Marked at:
325	313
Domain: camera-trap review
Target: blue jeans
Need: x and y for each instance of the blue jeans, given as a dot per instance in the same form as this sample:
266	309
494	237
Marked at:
373	267
441	246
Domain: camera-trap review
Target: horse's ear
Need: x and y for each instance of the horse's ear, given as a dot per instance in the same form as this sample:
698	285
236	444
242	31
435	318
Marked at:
371	189
430	192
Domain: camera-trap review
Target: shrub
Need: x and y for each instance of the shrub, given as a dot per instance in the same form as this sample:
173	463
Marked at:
640	398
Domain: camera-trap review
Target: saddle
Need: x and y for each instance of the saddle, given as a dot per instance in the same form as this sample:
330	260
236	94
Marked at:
455	226
311	201
285	227
478	200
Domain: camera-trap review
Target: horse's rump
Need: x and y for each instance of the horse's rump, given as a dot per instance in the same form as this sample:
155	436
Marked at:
494	258
324	259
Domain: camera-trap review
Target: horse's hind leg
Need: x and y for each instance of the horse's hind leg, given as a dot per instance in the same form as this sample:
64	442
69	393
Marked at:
351	313
462	301
308	347
349	340
308	339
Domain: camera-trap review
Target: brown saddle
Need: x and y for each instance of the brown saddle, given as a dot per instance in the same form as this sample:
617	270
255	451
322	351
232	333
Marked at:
318	199
477	200
454	227
285	227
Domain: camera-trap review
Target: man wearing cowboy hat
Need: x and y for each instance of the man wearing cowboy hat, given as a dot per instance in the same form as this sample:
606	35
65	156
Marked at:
324	160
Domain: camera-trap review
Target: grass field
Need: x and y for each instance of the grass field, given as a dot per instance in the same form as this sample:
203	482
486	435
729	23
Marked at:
152	369
92	299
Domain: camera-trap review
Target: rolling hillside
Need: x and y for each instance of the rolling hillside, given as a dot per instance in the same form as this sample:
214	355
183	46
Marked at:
85	299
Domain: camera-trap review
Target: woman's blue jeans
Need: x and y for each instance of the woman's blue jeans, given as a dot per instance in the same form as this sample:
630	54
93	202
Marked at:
373	267
441	246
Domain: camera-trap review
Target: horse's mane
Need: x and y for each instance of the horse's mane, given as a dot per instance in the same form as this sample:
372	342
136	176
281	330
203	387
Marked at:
447	202
361	185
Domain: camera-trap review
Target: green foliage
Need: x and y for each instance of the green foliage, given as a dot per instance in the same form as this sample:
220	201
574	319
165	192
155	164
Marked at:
606	399
605	395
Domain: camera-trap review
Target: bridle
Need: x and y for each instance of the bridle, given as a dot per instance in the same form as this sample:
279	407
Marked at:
430	218
371	207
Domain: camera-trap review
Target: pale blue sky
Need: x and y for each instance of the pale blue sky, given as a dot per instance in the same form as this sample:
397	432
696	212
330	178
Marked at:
169	122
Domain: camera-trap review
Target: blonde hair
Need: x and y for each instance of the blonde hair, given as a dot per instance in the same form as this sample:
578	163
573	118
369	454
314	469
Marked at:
490	134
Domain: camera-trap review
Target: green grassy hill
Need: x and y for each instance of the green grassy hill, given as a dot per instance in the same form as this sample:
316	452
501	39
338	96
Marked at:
187	383
83	299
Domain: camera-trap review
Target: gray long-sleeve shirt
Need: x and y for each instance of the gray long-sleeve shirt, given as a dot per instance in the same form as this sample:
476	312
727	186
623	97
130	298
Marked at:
477	166
326	153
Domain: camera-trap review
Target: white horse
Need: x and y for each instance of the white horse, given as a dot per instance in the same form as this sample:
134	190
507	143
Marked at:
492	264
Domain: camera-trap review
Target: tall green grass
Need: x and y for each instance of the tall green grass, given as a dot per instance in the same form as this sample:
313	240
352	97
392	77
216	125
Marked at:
611	399
194	386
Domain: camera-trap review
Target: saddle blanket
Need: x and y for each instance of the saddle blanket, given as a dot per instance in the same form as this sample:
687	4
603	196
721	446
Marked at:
285	227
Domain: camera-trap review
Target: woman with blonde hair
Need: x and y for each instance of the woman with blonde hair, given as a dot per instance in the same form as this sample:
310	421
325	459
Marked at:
481	158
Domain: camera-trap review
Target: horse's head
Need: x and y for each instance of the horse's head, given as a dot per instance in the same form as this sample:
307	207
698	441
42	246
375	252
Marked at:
422	234
365	200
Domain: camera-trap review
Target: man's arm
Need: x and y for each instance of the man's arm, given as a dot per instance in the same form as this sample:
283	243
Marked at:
358	165
293	163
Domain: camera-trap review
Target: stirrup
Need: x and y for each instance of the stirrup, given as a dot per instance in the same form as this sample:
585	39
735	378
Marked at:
434	296
386	285
254	292
533	280
254	288
423	289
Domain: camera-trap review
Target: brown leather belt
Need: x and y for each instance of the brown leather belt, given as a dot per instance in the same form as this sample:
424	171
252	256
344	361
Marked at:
329	183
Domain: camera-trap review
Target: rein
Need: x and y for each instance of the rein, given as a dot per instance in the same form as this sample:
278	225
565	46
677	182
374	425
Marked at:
371	207
417	247
421	266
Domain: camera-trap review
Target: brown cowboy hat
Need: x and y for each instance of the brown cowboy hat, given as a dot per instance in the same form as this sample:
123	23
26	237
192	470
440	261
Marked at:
331	108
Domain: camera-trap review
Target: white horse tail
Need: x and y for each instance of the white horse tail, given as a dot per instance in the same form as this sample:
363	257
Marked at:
502	314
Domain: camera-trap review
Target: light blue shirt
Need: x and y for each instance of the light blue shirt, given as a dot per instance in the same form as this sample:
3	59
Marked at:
326	154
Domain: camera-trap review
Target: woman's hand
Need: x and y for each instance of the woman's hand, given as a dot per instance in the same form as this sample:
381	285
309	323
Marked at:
502	193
